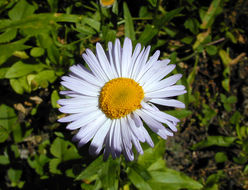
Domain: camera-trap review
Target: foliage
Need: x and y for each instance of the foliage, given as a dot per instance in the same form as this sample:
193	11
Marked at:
40	40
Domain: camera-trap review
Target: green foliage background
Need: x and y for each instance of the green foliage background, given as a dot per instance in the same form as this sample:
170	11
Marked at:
40	40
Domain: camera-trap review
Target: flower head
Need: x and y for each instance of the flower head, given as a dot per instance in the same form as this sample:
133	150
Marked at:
107	3
109	102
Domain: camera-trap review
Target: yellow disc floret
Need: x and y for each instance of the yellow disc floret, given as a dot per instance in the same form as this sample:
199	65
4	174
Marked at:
107	3
120	97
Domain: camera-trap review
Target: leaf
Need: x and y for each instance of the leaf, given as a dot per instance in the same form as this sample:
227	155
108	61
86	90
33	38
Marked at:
38	163
180	114
21	69
37	52
215	141
213	10
8	35
40	23
167	17
92	169
109	174
3	71
137	180
148	34
92	23
53	166
42	79
64	150
54	98
200	39
192	24
220	157
4	159
8	49
8	120
152	154
153	2
4	134
129	27
172	179
211	50
21	10
14	175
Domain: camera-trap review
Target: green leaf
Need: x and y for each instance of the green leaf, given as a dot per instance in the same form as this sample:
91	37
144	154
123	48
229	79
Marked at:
129	27
8	120
37	52
180	114
92	23
148	34
172	179
4	159
53	166
109	174
21	69
211	50
38	163
215	141
7	50
54	98
235	119
14	175
92	169
192	24
42	79
8	35
167	17
153	2
137	180
213	10
220	157
64	150
152	154
21	10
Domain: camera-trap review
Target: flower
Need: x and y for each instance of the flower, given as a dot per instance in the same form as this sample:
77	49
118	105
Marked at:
109	100
107	3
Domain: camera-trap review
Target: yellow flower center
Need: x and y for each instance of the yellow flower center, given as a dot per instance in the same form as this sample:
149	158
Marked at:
119	97
107	2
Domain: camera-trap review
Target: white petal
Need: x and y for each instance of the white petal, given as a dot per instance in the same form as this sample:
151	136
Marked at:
125	133
84	74
70	118
136	64
133	59
148	65
136	144
97	142
94	66
84	120
110	56
156	74
168	102
83	100
136	130
142	62
154	125
165	94
104	62
165	83
80	89
116	140
87	132
117	57
78	109
126	56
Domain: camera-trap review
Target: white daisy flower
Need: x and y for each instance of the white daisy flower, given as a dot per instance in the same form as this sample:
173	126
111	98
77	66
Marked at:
109	102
